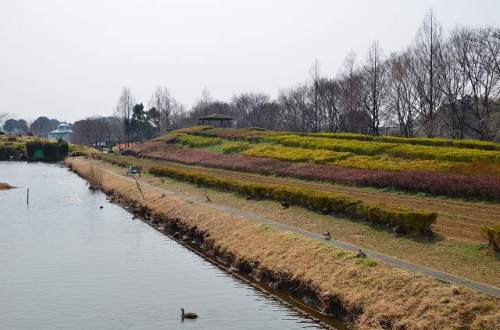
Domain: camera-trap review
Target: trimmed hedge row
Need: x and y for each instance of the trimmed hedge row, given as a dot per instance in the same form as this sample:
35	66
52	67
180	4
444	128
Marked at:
405	151
435	142
234	147
196	141
250	134
408	220
295	154
408	148
357	147
399	164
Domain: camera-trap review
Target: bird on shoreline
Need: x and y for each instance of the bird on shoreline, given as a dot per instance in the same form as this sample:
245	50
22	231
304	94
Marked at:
188	315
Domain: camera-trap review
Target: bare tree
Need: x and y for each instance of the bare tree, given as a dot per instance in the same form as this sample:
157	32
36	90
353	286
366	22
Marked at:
426	67
374	86
251	109
478	66
315	112
167	108
403	100
350	83
329	92
123	110
294	108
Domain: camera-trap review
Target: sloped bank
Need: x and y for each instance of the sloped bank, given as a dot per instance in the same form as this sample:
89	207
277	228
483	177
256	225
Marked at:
369	296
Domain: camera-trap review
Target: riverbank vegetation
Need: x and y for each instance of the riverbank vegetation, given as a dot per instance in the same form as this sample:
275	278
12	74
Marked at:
5	186
365	293
37	149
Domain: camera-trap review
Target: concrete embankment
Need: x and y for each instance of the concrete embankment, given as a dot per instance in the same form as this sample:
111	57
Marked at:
367	294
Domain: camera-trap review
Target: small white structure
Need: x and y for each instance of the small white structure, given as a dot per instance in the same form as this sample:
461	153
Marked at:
62	132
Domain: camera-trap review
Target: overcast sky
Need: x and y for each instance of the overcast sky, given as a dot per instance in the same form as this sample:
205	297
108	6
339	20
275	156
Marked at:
69	59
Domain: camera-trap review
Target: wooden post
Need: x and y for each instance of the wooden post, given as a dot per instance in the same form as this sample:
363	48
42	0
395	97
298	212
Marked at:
28	196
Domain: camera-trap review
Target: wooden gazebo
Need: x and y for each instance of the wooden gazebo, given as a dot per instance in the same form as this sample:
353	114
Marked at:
216	120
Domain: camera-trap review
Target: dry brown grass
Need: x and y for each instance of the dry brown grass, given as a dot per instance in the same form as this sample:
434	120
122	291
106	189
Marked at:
94	174
382	296
5	186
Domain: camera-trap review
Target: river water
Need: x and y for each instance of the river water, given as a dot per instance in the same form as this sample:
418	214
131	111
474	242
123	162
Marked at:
67	264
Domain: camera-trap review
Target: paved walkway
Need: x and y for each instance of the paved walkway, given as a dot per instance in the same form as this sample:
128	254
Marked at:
390	260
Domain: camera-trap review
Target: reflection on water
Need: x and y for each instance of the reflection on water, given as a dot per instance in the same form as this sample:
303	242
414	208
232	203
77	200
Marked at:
67	264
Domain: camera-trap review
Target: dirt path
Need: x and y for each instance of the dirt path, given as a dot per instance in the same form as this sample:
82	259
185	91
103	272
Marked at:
390	260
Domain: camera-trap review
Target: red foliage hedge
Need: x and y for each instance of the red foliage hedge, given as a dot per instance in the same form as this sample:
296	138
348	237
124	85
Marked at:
435	183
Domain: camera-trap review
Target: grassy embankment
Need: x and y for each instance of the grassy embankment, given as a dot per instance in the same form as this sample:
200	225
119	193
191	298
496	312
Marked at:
454	248
371	295
439	167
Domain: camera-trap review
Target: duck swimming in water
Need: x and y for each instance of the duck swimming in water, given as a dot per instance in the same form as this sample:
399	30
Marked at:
188	315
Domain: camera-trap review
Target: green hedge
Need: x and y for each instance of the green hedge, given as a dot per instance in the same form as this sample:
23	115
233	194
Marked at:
11	149
46	150
196	141
327	202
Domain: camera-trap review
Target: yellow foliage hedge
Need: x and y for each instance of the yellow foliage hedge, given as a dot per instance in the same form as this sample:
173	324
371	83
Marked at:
193	129
435	142
406	151
443	153
234	147
398	164
295	154
357	147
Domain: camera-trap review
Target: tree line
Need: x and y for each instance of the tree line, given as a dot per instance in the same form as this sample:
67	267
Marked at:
443	84
41	126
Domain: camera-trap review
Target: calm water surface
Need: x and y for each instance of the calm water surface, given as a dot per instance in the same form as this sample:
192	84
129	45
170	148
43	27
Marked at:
66	264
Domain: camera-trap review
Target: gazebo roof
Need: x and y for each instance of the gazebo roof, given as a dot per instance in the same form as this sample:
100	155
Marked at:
216	116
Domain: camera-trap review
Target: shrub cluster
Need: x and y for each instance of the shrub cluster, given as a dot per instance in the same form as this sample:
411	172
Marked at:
434	183
251	134
11	149
170	137
234	147
435	142
399	164
492	235
46	150
408	220
295	154
193	129
443	153
356	147
196	141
